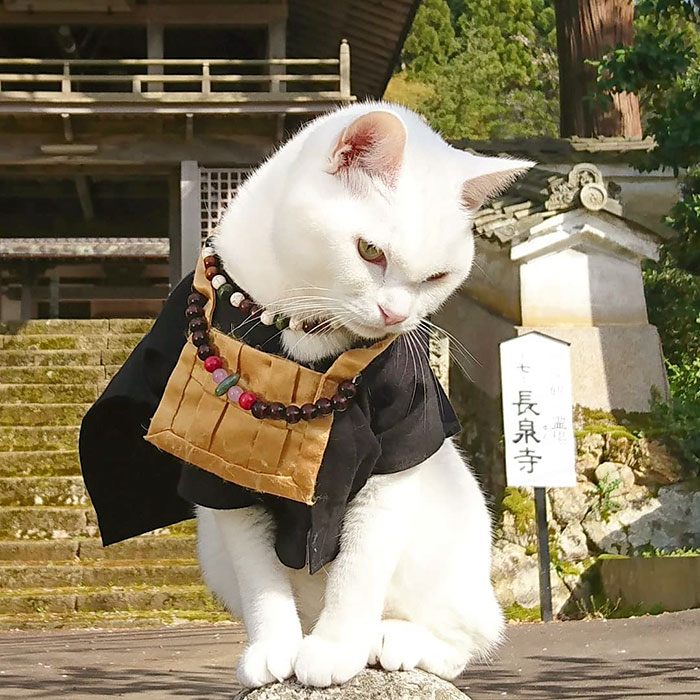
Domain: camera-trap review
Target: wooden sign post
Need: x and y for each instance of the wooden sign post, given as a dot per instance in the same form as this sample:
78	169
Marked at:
540	448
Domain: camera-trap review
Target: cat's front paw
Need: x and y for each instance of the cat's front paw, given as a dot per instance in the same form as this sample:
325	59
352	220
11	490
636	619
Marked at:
400	645
322	662
268	661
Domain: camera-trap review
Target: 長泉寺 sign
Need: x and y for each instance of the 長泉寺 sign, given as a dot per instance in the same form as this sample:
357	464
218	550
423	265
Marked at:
537	412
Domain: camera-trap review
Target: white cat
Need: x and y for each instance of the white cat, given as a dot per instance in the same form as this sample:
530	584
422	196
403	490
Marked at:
410	587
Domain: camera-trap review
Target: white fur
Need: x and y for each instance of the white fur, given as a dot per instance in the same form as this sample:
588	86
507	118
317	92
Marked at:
411	584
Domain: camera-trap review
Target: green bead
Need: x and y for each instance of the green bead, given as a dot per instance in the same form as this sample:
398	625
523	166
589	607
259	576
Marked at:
224	291
281	321
230	381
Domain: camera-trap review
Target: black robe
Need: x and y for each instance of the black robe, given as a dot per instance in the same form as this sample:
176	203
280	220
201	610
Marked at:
399	418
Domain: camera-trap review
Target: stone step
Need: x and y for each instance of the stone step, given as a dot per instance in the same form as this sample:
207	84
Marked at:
39	414
115	357
65	326
48	393
53	358
106	573
81	599
62	523
47	523
43	491
144	548
40	463
58	437
52	375
70	342
119	619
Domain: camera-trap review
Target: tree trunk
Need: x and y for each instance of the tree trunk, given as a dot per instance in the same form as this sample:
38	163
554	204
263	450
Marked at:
586	29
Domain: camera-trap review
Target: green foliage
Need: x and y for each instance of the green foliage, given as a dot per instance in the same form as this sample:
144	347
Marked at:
521	505
492	70
606	506
517	613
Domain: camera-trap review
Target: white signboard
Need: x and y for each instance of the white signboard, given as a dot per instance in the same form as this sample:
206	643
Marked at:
537	412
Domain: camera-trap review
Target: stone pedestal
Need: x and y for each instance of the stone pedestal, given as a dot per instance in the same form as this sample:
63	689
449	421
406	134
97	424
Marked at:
371	684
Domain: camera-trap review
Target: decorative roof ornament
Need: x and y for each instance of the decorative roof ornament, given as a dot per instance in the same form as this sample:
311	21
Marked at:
583	183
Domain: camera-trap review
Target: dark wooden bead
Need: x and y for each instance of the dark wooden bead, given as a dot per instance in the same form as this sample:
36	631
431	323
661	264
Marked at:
260	409
255	310
193	311
211	261
246	305
292	414
309	411
211	272
357	380
197	299
324	406
204	351
200	338
308	326
276	410
198	324
340	403
347	389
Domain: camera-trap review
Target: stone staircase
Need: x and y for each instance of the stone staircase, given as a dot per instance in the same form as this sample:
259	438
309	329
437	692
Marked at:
54	571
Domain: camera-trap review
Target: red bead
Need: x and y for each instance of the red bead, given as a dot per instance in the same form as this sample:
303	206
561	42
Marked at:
259	409
205	351
211	272
340	403
245	306
212	363
347	389
276	410
309	411
198	324
211	261
292	414
324	406
193	311
247	400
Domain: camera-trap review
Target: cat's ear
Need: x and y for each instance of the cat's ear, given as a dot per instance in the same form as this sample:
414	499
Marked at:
372	145
488	177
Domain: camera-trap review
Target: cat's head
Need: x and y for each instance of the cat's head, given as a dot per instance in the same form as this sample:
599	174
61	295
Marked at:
367	225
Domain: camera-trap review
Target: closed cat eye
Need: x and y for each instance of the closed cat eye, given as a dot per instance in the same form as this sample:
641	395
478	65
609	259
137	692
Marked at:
437	276
369	251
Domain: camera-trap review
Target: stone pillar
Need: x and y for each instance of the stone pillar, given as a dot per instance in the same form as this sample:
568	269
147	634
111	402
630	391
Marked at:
581	281
277	48
190	239
155	49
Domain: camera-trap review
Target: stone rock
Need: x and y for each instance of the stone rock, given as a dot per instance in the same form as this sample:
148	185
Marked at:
371	684
572	542
658	466
512	532
606	535
572	504
589	452
615	471
623	450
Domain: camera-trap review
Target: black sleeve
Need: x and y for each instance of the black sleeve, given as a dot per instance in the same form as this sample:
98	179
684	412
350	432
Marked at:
132	484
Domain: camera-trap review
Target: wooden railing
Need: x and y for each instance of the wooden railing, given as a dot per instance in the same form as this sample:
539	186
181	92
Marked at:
137	81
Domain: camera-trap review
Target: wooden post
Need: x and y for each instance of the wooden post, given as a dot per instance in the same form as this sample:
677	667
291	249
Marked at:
54	294
154	49
206	78
174	229
277	48
26	305
345	93
65	80
190	216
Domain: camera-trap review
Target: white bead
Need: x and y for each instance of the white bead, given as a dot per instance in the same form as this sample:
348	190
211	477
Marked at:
217	281
208	251
295	324
267	318
236	299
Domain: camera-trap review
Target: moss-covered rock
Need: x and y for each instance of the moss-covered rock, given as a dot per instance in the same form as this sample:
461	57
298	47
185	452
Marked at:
50	358
128	341
130	325
54	342
37	550
141	548
115	357
51	375
38	414
45	523
42	491
56	326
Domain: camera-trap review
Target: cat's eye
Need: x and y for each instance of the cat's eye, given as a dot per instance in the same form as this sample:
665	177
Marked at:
369	251
437	276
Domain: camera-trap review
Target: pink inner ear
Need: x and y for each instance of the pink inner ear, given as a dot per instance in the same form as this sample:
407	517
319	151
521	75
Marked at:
373	144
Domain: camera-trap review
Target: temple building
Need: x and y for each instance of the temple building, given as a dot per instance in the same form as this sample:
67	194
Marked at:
125	126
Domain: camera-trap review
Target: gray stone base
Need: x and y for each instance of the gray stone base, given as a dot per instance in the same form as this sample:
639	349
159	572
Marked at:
371	684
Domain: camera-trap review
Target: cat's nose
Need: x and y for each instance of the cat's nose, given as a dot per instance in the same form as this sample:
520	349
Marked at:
391	318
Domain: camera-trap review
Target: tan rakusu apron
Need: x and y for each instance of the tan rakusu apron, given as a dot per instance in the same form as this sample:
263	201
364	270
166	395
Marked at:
210	432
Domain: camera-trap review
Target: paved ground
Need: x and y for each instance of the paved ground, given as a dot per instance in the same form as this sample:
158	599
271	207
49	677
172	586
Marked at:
652	658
